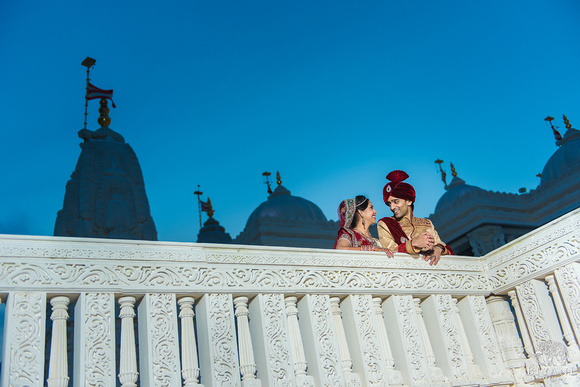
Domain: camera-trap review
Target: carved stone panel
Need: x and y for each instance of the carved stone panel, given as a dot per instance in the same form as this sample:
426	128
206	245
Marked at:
542	322
269	331
568	278
320	340
363	340
216	332
94	337
158	341
445	336
405	339
482	339
24	340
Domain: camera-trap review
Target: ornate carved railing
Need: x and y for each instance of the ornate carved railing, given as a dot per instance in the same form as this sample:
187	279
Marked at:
106	312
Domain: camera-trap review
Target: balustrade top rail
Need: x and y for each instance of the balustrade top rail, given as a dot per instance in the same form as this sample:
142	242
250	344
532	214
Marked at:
61	265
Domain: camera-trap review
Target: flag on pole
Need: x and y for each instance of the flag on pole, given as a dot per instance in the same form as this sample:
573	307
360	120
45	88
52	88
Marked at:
204	206
94	92
557	134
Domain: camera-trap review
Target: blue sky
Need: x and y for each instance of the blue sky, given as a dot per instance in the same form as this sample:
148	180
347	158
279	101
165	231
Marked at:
333	94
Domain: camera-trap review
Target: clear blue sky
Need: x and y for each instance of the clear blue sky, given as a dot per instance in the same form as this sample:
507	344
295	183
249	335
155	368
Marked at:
333	94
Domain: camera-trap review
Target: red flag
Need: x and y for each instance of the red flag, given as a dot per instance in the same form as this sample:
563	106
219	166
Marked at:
94	92
204	206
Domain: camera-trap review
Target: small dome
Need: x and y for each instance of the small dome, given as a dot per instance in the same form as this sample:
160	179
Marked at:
282	205
565	159
213	232
456	191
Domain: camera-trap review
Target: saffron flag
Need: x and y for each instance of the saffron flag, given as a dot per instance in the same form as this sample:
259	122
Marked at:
94	92
204	206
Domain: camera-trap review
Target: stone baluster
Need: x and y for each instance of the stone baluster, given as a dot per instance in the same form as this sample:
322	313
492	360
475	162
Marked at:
128	353
298	356
189	362
504	324
436	372
528	347
342	344
568	280
473	368
573	350
394	377
247	363
296	344
58	368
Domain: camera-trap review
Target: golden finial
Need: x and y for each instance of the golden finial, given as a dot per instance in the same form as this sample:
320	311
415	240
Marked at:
210	210
453	172
267	182
567	122
104	120
278	179
443	174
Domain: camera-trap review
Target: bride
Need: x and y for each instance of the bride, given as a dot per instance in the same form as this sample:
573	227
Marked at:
356	216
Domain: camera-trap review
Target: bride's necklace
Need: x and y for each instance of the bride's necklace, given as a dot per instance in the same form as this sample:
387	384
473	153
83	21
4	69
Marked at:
363	234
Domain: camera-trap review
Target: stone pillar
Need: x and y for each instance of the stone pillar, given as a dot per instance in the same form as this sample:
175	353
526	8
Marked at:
474	369
444	334
394	377
246	352
297	345
404	332
510	344
351	378
568	280
436	372
24	338
320	340
216	332
528	347
270	340
128	353
573	350
58	366
94	332
482	339
189	362
543	325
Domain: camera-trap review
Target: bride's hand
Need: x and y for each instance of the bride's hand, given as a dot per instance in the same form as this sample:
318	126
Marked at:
389	253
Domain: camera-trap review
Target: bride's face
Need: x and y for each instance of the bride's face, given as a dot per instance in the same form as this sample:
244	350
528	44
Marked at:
369	214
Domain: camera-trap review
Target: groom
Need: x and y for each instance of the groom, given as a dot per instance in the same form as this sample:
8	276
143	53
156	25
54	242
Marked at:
403	232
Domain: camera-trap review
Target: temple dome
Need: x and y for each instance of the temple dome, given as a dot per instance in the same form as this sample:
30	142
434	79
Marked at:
456	191
564	160
284	206
286	220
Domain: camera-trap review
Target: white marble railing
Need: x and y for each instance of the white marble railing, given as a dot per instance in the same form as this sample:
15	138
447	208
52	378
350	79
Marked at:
172	314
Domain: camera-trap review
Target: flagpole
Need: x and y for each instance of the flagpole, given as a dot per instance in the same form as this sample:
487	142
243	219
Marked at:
88	63
198	193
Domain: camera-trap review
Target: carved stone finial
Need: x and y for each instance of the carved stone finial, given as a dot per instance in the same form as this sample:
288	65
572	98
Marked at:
567	122
453	172
104	120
